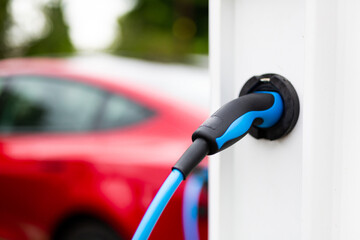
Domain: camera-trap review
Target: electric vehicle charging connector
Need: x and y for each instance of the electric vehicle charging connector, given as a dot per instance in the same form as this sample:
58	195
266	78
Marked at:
261	106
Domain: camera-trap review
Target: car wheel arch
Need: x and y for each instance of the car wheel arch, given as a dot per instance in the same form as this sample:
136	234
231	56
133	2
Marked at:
68	221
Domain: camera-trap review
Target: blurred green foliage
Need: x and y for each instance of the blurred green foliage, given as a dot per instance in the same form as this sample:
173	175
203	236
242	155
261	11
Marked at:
53	40
56	39
164	30
4	25
159	30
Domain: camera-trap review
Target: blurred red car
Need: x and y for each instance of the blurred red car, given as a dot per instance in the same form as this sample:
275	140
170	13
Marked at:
82	157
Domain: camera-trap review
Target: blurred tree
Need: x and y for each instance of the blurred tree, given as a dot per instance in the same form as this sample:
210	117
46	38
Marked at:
56	39
163	30
4	25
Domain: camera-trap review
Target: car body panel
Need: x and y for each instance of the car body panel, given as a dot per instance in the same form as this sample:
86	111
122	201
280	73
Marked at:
111	174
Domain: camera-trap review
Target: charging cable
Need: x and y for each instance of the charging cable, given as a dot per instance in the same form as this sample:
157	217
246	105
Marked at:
191	198
225	127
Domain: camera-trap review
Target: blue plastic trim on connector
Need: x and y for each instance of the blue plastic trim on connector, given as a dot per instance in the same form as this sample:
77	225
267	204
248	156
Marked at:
157	205
241	125
191	199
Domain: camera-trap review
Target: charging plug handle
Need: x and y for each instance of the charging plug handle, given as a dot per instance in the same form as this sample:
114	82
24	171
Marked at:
229	124
219	130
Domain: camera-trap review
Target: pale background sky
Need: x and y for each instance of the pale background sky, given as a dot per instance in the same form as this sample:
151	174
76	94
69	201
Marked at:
92	22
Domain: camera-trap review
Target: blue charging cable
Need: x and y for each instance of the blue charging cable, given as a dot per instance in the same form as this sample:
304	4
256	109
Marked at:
225	127
190	208
158	204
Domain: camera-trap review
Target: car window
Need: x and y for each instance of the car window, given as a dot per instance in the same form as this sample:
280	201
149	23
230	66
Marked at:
41	104
120	111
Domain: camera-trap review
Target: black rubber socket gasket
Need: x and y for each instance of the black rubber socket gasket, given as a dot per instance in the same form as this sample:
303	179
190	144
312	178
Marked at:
276	83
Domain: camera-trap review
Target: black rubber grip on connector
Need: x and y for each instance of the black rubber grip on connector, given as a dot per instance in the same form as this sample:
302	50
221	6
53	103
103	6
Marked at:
192	157
219	122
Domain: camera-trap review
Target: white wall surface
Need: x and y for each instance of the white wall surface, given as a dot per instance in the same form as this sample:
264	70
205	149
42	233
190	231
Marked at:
306	185
331	167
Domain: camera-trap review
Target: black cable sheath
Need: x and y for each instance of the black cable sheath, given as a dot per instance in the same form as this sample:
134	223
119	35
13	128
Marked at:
192	157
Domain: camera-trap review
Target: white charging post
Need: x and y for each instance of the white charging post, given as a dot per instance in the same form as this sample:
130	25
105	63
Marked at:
307	185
